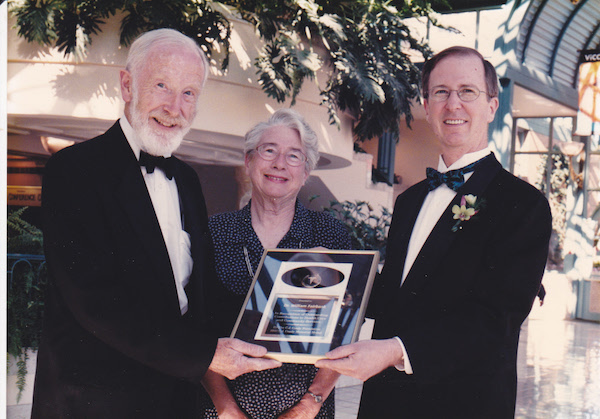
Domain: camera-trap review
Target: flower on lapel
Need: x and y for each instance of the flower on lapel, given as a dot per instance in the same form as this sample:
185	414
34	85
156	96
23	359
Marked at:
469	206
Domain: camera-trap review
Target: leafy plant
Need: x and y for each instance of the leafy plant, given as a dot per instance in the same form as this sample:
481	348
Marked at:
368	58
70	24
368	230
22	236
25	297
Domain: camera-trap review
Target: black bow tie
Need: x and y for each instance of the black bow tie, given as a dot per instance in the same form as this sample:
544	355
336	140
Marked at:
151	162
454	179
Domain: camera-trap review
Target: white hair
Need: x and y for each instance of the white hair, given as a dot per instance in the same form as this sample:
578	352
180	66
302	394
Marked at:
143	45
291	119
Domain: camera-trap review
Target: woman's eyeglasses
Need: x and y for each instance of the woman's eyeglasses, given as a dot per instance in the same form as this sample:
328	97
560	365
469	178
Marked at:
270	152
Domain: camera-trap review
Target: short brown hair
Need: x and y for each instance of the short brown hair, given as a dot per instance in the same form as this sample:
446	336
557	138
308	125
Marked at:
491	78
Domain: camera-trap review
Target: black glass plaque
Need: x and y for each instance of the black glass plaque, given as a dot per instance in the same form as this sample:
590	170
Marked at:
304	303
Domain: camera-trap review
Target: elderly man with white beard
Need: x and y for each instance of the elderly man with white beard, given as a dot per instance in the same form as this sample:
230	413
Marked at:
127	327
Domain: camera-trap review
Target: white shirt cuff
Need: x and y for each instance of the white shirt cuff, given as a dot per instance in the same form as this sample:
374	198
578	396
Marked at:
405	364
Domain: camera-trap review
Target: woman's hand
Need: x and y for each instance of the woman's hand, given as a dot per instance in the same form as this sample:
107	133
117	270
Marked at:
232	412
216	386
306	408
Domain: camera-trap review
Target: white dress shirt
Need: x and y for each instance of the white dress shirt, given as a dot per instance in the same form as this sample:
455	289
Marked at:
165	199
432	209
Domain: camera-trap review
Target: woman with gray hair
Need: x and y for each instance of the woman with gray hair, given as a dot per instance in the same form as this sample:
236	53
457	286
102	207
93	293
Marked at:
279	155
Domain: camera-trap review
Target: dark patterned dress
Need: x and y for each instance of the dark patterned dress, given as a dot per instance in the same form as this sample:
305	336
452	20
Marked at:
266	394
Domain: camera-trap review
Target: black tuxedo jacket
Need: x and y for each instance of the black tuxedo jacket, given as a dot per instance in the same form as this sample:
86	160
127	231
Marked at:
460	309
115	344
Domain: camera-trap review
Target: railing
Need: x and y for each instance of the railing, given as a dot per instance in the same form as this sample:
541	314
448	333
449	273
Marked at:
33	263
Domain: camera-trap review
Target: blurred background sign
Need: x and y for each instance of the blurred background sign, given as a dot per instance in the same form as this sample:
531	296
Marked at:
589	91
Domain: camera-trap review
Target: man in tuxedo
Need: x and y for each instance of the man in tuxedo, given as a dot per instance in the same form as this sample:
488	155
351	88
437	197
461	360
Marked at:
127	327
466	254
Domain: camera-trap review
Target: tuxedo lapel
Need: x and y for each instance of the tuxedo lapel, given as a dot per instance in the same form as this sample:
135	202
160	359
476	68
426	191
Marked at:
407	216
442	237
194	219
186	201
406	210
135	200
485	173
132	195
435	247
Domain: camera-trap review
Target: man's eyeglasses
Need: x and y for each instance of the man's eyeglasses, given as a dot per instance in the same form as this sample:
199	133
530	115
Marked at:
270	152
466	94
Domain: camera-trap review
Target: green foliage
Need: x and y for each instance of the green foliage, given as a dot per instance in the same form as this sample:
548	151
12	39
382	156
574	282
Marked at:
25	297
375	77
40	23
22	237
368	230
69	24
368	58
275	75
195	18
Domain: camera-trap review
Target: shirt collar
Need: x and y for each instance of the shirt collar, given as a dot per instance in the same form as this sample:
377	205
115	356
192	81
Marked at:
130	135
465	160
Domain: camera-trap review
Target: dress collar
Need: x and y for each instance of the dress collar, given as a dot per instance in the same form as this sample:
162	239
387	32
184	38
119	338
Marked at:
298	230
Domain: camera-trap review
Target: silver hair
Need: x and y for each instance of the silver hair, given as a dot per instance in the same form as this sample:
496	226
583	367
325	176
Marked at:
143	45
291	119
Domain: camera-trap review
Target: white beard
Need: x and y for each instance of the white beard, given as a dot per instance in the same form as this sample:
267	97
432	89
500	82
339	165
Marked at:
155	143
